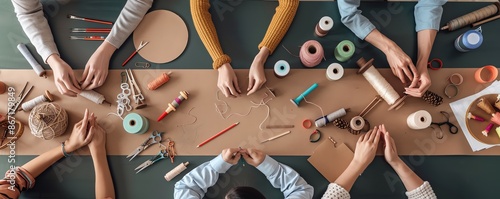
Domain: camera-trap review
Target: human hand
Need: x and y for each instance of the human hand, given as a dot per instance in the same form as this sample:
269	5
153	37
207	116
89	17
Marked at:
98	142
253	157
64	78
231	155
418	88
366	147
96	69
256	75
390	152
401	64
228	82
80	135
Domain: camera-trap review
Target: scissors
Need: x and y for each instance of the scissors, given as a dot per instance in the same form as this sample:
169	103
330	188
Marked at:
452	128
153	139
161	155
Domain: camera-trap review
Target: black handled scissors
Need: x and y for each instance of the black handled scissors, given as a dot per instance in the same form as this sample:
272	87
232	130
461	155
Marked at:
453	129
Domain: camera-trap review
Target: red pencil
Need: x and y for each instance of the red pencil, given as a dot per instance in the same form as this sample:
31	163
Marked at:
217	135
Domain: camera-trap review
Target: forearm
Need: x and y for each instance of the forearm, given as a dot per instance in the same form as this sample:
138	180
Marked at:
196	183
380	41
206	30
409	178
44	161
104	187
349	176
425	40
280	23
129	18
30	16
285	178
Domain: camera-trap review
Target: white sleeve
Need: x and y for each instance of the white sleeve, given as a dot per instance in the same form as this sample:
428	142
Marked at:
335	191
424	191
130	16
35	26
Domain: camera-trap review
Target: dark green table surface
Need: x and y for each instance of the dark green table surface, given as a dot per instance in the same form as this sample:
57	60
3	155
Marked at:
241	27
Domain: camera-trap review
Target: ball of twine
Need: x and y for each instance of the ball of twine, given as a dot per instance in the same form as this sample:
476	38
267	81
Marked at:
48	121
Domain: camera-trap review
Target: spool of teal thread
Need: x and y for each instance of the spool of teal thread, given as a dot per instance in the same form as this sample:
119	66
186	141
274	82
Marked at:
297	100
134	123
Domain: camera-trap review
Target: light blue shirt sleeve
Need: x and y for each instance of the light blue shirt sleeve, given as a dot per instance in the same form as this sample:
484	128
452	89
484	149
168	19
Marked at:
352	18
288	180
428	14
196	182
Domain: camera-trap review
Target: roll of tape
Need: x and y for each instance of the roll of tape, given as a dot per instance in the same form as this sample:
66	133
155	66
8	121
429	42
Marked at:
435	60
334	71
357	123
315	136
419	120
456	79
281	68
307	123
344	50
325	24
135	124
493	73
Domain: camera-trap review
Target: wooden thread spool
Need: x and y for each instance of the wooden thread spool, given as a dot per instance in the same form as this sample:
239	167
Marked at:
472	17
159	81
27	106
380	84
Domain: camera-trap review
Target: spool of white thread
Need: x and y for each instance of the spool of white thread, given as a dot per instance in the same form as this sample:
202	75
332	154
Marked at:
93	96
322	121
281	68
27	106
31	60
325	24
357	123
176	171
334	72
419	120
380	84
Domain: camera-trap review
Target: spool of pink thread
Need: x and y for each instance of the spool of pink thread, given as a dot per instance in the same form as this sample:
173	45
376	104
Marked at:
311	53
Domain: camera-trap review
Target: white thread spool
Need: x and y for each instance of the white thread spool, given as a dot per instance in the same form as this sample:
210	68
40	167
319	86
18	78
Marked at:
322	121
93	96
281	68
31	60
419	120
357	123
324	25
27	106
334	72
380	84
176	171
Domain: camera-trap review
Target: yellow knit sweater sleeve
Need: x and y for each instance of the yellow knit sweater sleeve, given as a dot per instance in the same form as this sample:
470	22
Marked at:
206	30
280	23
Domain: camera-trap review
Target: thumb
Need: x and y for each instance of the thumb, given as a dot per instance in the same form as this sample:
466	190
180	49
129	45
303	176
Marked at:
246	157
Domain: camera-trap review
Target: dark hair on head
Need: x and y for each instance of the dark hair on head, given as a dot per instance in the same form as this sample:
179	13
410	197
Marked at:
244	193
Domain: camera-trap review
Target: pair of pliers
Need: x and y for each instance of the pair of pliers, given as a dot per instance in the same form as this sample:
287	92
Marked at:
161	155
153	139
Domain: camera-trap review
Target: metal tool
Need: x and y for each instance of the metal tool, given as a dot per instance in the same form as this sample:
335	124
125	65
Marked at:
452	128
161	155
136	91
153	139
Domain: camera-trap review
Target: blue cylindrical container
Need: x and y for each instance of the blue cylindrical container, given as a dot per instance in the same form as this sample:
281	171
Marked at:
470	40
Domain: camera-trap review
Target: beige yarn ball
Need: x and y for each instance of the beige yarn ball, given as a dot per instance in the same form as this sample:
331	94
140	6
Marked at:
48	121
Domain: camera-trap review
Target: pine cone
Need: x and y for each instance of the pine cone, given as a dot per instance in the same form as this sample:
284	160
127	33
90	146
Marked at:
341	123
354	132
432	98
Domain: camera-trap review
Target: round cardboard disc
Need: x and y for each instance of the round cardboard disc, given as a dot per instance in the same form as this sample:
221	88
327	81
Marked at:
166	33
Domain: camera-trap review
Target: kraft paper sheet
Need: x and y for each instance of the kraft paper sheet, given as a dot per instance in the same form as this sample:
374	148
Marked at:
352	91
